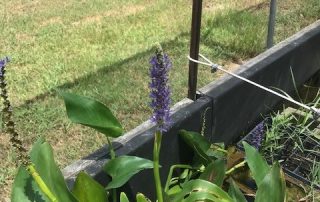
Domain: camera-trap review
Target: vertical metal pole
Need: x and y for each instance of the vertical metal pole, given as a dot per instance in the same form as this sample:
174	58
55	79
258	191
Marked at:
194	47
271	24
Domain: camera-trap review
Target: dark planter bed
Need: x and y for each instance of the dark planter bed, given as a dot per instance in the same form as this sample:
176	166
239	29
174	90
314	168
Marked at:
296	161
232	109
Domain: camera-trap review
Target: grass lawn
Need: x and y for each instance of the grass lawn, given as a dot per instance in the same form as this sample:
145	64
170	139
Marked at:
102	48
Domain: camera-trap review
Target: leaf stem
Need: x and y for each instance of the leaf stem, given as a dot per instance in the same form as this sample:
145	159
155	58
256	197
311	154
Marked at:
156	172
113	156
239	165
171	172
111	150
42	185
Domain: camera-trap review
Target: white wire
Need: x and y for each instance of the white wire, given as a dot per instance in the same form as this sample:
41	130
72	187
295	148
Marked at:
211	64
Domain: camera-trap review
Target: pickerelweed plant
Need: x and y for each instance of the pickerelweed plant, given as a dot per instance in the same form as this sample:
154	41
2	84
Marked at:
9	126
206	179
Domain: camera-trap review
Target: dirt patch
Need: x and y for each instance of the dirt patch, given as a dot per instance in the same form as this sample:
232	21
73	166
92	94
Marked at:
7	167
50	21
121	12
20	8
217	5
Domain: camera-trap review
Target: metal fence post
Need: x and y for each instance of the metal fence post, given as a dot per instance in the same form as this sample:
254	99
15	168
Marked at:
271	24
194	47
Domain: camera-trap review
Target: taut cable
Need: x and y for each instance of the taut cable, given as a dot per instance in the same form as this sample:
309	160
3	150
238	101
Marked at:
214	67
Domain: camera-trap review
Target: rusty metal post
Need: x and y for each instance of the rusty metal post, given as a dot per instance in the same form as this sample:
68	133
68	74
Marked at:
194	47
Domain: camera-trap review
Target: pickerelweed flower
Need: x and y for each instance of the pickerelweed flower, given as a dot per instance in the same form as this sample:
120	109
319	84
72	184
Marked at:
7	116
257	135
160	90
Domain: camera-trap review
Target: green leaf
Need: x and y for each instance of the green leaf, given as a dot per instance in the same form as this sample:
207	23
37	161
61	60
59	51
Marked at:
25	189
235	193
257	164
92	113
215	151
215	172
174	190
123	197
273	186
87	189
142	198
200	190
122	168
198	143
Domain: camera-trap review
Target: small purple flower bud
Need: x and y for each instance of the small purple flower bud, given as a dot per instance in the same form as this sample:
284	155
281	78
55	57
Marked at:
159	89
3	63
257	135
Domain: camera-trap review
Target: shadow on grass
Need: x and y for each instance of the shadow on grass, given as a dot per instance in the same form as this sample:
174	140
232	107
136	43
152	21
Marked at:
232	35
93	77
239	34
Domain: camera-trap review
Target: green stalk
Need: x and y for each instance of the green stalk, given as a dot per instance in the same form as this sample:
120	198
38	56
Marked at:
156	172
113	156
41	184
111	150
239	165
183	166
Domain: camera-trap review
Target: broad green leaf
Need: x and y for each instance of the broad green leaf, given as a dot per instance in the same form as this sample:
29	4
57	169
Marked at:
273	186
235	193
141	198
200	190
92	113
123	197
198	143
25	189
215	172
257	164
87	189
122	168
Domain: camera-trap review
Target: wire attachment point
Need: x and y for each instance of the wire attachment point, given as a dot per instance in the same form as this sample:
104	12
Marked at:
214	68
315	113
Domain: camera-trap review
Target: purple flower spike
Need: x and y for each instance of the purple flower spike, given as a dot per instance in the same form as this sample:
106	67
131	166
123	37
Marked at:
159	89
257	135
3	63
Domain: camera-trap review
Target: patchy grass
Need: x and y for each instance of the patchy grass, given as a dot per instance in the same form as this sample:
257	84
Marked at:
102	50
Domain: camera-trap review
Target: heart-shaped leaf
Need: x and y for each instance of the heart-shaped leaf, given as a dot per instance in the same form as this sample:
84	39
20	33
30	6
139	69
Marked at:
198	143
257	164
87	189
273	186
122	168
201	190
92	113
25	189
